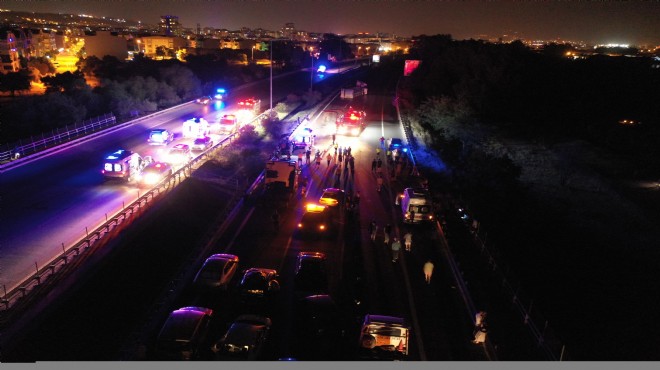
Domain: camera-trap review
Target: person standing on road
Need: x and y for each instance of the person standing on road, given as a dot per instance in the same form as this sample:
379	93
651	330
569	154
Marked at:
373	165
329	158
333	139
428	271
308	156
396	247
387	230
276	220
407	240
373	229
379	183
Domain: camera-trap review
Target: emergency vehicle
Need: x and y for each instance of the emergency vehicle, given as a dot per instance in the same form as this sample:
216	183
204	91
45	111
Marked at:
252	105
124	165
196	127
303	139
351	123
228	123
416	205
160	136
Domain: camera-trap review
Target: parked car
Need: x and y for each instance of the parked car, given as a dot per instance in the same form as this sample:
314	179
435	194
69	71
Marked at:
258	283
183	333
244	340
395	143
311	274
204	100
333	197
154	173
315	222
217	271
202	143
179	154
160	136
320	327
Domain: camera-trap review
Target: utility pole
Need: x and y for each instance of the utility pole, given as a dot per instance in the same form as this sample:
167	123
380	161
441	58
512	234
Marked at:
271	74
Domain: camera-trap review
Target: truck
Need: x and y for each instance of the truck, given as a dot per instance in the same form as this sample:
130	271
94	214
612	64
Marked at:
416	205
196	127
359	89
351	123
281	173
124	165
384	338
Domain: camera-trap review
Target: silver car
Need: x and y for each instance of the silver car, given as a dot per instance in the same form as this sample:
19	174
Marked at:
217	271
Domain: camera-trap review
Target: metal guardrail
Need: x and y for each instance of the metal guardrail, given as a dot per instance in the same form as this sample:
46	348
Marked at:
20	149
16	298
546	340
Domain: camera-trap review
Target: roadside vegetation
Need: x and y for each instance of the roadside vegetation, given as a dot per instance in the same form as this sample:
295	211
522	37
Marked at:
542	150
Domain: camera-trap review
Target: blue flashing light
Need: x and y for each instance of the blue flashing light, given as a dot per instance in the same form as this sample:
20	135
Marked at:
321	69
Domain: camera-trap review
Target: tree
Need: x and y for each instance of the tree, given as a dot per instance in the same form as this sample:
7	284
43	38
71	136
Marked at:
67	82
334	47
15	81
42	64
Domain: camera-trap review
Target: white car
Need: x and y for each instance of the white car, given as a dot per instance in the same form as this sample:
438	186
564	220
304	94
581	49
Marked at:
179	154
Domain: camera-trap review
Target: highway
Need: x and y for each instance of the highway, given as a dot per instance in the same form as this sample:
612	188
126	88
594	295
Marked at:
157	256
52	202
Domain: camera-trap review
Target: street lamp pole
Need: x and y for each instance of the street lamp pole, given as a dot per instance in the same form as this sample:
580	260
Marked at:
271	75
253	54
311	74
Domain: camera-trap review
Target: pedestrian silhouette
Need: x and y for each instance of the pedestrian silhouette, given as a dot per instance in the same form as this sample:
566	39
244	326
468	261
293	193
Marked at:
428	271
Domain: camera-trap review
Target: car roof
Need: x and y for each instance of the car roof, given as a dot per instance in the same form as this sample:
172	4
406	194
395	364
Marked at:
223	256
319	255
244	333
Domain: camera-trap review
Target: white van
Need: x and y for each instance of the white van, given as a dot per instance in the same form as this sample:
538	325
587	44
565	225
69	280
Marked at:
416	205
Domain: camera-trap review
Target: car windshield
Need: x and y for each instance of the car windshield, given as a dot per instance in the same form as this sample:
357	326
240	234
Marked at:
332	195
213	269
255	281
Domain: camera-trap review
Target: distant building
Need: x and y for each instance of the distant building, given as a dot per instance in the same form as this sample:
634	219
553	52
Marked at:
8	53
150	44
106	43
42	42
229	44
170	26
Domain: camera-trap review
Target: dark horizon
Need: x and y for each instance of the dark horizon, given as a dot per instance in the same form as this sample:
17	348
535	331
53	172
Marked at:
629	22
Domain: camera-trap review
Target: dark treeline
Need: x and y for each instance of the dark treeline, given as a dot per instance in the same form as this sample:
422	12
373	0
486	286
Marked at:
544	95
126	89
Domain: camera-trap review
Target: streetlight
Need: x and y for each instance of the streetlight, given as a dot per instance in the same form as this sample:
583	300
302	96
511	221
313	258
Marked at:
311	72
253	54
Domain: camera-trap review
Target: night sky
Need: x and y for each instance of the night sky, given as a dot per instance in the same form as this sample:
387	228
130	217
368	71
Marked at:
594	22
